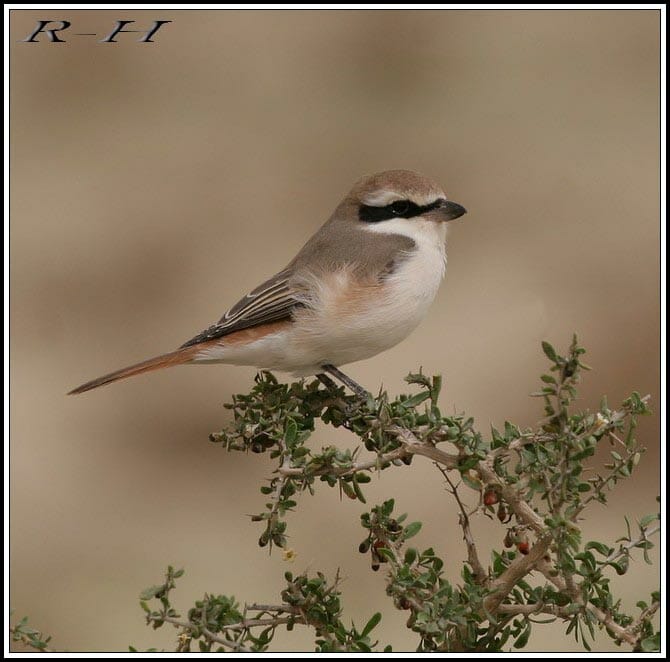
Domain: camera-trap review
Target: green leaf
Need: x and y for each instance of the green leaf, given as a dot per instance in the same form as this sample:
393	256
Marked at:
620	567
371	624
151	592
410	555
385	554
472	483
291	432
416	400
549	351
522	639
347	489
437	387
651	644
418	378
467	463
411	530
587	452
648	519
600	547
357	489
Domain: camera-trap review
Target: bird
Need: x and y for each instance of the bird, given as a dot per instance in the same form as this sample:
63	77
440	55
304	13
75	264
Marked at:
359	286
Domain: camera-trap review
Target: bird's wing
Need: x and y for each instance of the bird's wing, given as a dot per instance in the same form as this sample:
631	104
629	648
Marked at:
271	301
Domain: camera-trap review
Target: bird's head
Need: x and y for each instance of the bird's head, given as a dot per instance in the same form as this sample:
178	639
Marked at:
401	194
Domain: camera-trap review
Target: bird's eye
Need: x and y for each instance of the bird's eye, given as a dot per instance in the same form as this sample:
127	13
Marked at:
400	207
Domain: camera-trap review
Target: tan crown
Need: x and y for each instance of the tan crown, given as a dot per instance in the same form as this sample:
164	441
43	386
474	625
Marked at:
382	188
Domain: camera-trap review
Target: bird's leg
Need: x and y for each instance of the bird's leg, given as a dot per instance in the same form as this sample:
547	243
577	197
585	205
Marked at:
346	380
326	380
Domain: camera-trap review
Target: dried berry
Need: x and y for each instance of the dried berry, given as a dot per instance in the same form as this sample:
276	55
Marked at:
491	497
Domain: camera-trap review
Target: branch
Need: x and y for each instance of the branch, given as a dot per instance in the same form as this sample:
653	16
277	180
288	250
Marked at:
501	587
414	446
605	481
463	519
646	615
288	609
297	472
187	625
616	630
536	476
530	609
624	549
29	639
277	494
512	496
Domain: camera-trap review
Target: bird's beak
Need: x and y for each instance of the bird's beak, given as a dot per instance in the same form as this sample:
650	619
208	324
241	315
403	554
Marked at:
451	210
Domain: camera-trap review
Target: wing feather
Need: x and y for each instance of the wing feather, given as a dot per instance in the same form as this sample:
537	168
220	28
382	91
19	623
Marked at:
271	301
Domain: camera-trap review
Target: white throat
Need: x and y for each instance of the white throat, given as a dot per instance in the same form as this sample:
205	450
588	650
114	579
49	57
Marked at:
429	237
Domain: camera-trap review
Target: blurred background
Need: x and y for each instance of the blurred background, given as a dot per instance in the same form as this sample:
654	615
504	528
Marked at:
154	184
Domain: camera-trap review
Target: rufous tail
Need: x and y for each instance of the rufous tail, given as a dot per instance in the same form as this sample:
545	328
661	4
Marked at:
163	361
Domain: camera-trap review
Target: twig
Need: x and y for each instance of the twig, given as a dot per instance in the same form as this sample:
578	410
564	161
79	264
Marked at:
646	615
604	481
298	472
258	622
288	609
527	610
26	641
624	549
619	632
464	521
413	445
187	625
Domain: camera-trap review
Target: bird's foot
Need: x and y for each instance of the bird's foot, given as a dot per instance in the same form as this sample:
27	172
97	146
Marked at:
354	386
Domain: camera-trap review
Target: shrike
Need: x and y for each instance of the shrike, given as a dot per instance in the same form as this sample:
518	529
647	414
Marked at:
359	286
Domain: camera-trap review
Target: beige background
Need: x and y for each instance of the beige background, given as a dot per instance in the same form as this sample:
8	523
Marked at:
153	184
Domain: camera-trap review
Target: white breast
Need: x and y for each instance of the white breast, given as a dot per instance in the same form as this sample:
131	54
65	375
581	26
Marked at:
350	323
413	286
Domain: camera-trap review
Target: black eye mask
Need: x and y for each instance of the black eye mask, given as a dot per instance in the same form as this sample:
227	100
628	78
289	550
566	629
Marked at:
397	209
